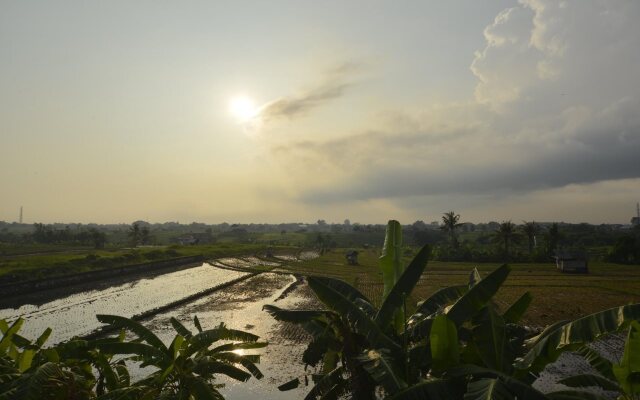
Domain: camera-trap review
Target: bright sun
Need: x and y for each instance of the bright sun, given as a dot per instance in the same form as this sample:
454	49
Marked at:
243	108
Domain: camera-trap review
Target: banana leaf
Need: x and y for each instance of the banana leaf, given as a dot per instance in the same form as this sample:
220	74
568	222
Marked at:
394	300
491	340
383	369
487	389
517	387
239	346
589	380
599	363
628	371
574	334
133	326
147	351
443	339
206	338
327	383
441	299
325	289
474	277
292	384
478	296
295	316
391	258
435	389
203	390
181	329
8	334
574	395
210	366
517	309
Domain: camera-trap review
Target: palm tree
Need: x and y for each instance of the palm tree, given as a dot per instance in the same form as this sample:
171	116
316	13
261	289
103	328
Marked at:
553	238
530	229
449	224
134	234
506	234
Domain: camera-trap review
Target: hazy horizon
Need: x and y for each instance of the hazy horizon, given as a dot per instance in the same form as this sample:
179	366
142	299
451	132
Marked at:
297	111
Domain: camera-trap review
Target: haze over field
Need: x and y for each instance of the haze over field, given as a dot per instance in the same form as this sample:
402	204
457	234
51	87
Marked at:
299	110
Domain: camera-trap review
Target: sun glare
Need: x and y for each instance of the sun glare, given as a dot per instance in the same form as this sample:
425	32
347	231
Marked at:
243	108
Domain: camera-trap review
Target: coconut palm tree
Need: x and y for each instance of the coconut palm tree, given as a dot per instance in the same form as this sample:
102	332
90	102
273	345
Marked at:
506	234
530	229
449	225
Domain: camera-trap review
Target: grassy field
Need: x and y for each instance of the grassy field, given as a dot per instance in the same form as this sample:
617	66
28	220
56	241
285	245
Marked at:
557	296
47	262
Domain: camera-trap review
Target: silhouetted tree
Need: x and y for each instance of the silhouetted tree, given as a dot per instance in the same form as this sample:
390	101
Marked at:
145	235
553	238
506	234
449	225
530	229
135	234
98	238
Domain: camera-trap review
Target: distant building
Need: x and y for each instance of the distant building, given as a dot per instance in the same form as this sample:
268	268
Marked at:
572	262
187	240
352	257
635	221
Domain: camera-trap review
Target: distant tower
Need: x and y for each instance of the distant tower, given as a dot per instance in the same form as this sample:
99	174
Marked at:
636	220
20	214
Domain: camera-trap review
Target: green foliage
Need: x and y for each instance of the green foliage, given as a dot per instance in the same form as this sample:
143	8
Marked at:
628	371
186	369
443	339
517	309
456	345
573	335
391	258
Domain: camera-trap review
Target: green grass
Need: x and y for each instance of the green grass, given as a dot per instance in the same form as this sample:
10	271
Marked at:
10	249
557	296
62	261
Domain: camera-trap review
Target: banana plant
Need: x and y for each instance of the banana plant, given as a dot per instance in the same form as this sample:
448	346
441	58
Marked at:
360	345
456	344
357	343
623	377
29	371
185	369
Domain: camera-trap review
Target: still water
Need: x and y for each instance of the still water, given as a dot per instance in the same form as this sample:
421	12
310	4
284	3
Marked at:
74	315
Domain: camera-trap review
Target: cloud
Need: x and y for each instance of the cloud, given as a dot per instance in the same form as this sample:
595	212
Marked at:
552	54
556	104
464	161
332	86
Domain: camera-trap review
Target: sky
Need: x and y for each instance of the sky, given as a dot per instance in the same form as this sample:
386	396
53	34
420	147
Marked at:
283	111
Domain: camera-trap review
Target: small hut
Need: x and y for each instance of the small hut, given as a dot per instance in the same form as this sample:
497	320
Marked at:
572	262
352	257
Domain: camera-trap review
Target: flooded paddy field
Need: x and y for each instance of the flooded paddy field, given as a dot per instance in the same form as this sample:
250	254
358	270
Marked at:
238	305
74	315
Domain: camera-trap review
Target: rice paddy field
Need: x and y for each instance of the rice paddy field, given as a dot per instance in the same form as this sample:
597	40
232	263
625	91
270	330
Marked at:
19	263
556	296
